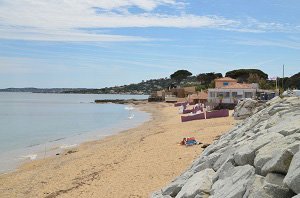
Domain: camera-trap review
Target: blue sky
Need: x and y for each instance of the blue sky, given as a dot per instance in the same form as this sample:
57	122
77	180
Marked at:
99	43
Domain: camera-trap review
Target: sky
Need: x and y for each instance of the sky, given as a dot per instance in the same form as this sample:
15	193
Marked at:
103	43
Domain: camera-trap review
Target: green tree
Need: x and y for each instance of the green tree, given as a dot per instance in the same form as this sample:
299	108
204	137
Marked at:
253	78
180	75
242	75
207	78
293	82
265	84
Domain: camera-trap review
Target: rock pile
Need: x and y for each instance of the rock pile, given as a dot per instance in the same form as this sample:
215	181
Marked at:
245	108
259	158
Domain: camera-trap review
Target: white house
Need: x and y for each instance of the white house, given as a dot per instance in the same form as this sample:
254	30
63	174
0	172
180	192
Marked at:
230	92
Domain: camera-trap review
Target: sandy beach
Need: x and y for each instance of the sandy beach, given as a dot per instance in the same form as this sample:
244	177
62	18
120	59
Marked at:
133	163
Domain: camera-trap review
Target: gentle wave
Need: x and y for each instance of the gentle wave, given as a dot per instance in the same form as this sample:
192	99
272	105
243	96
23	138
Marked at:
31	156
32	145
68	146
129	108
57	139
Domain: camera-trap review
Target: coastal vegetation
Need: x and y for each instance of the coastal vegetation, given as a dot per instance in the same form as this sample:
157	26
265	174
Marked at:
181	78
293	82
180	75
207	79
242	75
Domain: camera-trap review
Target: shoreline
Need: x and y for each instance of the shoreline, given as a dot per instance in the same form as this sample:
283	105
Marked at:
131	163
61	145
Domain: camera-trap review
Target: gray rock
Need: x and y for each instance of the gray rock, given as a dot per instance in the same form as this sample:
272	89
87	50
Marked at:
255	190
271	186
277	108
227	153
199	184
199	196
292	179
246	154
268	140
174	187
225	168
284	129
245	108
296	196
274	186
215	147
269	151
234	183
279	163
275	100
159	194
206	162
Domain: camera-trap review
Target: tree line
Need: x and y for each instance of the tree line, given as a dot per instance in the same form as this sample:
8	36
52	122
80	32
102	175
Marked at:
206	80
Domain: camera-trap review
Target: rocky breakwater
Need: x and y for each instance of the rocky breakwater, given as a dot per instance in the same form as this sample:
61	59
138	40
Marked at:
245	108
259	158
121	101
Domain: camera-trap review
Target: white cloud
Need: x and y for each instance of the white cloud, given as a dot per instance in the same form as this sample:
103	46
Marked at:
291	44
68	35
56	20
68	20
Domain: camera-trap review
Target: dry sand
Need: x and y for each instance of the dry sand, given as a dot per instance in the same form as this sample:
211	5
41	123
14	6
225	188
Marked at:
133	163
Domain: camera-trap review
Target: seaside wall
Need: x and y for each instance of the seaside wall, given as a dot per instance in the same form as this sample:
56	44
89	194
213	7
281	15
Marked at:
258	158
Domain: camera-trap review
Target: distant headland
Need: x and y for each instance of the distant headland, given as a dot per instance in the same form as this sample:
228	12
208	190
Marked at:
181	78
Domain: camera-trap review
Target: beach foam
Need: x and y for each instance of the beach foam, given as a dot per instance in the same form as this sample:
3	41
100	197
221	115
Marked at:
30	156
129	108
68	146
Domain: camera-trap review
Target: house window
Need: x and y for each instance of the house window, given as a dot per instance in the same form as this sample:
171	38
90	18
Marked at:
212	94
220	94
226	95
234	94
225	83
248	94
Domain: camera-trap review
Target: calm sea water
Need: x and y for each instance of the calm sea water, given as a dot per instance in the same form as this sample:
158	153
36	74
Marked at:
33	126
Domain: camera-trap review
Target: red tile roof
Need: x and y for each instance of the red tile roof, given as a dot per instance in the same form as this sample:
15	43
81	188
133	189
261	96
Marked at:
226	79
238	86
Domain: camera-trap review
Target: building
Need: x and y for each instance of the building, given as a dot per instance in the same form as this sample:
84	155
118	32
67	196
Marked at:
157	96
226	81
181	92
232	93
189	90
199	97
229	91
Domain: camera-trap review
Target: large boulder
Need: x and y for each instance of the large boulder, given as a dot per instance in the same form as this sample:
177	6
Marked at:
280	163
255	190
271	186
159	194
199	184
246	153
206	162
245	108
292	179
272	151
234	183
274	186
174	187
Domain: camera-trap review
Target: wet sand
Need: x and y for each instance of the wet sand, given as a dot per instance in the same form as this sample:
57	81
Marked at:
133	163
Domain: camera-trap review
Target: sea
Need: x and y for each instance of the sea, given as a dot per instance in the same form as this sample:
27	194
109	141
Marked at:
36	125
